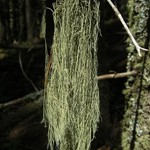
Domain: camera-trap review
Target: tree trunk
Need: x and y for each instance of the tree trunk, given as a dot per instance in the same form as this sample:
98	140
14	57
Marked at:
29	21
136	123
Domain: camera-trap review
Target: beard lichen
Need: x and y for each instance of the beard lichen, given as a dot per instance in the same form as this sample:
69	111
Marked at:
71	105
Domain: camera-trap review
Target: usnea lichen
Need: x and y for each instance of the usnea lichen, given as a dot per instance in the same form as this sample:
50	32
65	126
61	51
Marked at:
72	100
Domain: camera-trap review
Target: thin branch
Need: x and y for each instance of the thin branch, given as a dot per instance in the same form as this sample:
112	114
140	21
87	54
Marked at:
33	96
138	48
25	75
22	46
27	98
117	75
48	8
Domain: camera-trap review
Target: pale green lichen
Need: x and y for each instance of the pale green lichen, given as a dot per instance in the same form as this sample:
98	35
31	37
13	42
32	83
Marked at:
71	107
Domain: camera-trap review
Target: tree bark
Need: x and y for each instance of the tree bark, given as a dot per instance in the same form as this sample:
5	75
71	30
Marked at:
136	123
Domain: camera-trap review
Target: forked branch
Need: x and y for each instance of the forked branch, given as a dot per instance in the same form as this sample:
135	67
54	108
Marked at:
138	48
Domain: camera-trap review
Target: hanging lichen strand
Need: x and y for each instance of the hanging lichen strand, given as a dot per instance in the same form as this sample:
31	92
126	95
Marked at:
72	102
136	123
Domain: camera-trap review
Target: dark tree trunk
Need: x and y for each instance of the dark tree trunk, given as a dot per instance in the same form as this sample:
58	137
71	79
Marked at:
29	20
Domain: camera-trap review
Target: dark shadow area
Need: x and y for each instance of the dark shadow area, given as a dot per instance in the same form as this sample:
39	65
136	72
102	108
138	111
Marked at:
112	57
22	56
26	134
12	80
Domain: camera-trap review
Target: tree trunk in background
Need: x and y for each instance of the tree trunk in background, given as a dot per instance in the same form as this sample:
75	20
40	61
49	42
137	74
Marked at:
136	123
4	21
29	21
11	19
22	21
16	27
49	22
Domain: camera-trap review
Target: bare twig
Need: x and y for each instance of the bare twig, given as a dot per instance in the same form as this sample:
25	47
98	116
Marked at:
25	75
48	8
22	46
27	98
138	48
117	75
33	96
